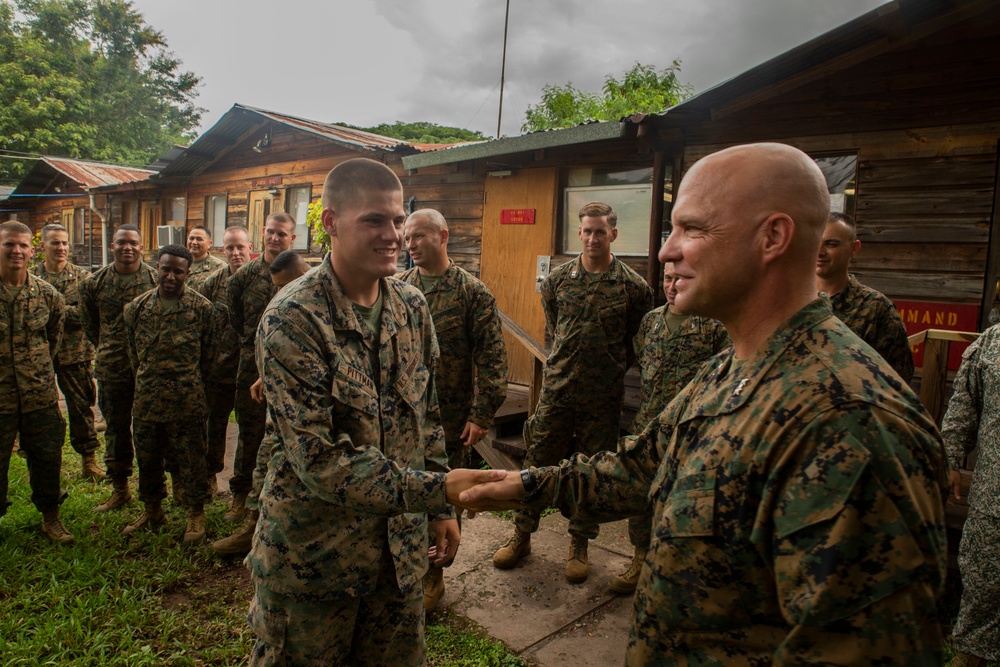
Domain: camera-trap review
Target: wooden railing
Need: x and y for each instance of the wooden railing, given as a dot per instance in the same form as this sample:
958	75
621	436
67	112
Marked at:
935	369
539	353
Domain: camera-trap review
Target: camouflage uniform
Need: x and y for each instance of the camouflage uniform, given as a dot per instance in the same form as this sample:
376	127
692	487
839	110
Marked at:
250	290
220	383
171	348
344	506
973	420
472	378
75	362
103	296
591	321
668	360
798	504
873	317
202	269
31	326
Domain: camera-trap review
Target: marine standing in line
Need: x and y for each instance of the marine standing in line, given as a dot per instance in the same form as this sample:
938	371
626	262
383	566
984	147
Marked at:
973	420
670	348
471	378
103	297
249	291
75	361
220	383
593	307
199	242
868	313
31	325
797	483
171	346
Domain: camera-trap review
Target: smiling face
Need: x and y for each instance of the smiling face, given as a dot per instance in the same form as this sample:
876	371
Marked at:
199	243
56	246
366	236
278	237
171	272
597	235
126	247
835	251
15	252
425	243
669	284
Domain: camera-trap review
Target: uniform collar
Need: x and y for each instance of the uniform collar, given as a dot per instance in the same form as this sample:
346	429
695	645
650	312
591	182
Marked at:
342	313
579	272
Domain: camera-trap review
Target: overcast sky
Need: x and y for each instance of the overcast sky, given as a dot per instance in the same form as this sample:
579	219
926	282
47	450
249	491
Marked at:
372	61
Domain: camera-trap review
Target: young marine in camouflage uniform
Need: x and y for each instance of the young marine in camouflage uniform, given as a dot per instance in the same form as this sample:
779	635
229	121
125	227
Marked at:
199	242
471	379
868	313
670	348
31	325
171	332
220	383
250	290
796	482
347	355
103	296
75	361
593	307
973	420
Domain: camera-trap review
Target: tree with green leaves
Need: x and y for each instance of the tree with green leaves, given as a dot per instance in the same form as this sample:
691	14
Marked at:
641	90
422	132
89	79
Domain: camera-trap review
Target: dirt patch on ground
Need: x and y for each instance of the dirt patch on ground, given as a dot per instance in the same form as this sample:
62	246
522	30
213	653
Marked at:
225	583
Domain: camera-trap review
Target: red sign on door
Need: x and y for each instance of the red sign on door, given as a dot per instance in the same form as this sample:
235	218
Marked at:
919	316
517	216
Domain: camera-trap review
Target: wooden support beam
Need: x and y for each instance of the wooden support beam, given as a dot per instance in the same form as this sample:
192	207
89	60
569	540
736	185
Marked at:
991	285
656	219
935	371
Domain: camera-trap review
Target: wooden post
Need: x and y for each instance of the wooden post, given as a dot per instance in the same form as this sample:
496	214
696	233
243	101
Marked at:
656	220
935	373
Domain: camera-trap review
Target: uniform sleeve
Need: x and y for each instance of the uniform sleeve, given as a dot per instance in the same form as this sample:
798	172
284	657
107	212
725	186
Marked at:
210	341
431	429
489	353
72	297
892	343
298	384
89	315
550	307
234	299
960	427
57	320
641	303
128	319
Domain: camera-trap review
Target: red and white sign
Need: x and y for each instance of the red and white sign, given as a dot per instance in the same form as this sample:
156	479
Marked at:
920	315
517	216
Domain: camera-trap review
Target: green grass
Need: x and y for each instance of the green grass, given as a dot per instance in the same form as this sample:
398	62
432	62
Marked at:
144	600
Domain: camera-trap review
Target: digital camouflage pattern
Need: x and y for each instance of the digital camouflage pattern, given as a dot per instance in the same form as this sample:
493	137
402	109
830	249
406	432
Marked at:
171	348
31	327
668	360
115	401
973	420
873	317
591	321
471	379
798	509
75	347
250	290
181	442
103	297
357	462
202	269
40	434
251	417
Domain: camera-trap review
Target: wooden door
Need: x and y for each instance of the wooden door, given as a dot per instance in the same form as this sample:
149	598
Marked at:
259	208
150	216
510	253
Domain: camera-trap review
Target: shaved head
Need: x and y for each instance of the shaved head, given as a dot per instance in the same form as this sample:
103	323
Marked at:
429	217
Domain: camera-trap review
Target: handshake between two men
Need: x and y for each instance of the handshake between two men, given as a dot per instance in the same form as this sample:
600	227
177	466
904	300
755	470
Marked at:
482	490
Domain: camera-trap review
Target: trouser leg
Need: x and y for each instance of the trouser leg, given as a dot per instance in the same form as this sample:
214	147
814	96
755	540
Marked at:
8	434
548	435
250	416
116	399
42	435
76	382
977	627
221	400
187	443
151	440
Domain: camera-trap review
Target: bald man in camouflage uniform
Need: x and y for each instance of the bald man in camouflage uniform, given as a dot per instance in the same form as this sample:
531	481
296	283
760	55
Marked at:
103	297
75	361
199	242
347	355
797	483
171	345
868	313
31	325
593	306
250	290
472	376
973	420
670	348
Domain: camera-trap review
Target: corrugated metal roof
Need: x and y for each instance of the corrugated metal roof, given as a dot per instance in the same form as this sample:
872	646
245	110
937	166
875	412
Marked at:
77	174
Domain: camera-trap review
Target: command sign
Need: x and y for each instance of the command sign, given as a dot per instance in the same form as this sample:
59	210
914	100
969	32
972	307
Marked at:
517	216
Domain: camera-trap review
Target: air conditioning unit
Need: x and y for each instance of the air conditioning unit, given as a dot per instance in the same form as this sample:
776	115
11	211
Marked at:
170	234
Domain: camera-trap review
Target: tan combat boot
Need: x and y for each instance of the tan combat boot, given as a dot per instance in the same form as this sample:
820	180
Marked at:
152	517
90	469
513	550
238	509
194	533
577	567
433	587
967	660
53	528
120	496
626	582
239	543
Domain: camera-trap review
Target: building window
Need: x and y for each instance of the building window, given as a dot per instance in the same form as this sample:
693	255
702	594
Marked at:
177	209
77	233
66	220
297	205
130	212
841	172
628	192
216	207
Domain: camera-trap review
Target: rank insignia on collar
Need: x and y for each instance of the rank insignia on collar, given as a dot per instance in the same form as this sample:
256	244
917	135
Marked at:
739	387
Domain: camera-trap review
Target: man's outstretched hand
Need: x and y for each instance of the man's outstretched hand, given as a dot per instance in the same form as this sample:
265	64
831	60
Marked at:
481	490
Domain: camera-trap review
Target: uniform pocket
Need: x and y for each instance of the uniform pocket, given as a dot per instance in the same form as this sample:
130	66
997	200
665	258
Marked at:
269	625
688	510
